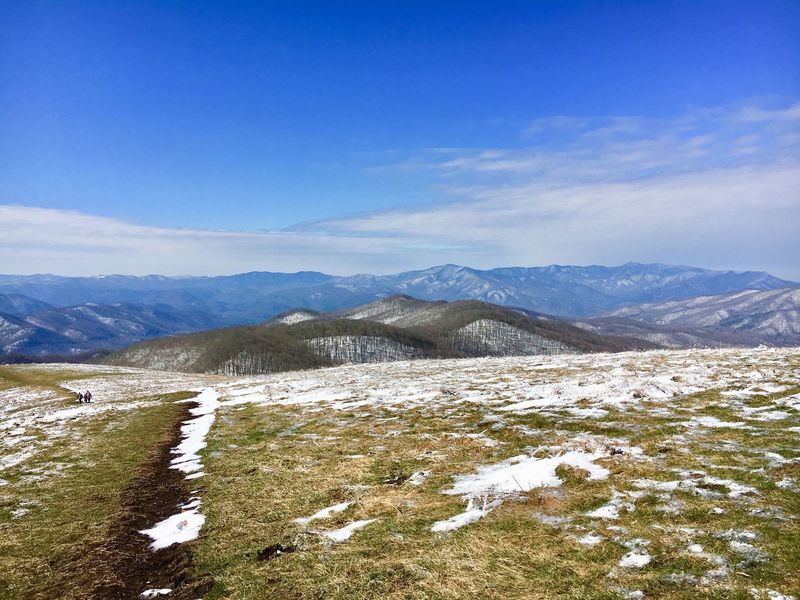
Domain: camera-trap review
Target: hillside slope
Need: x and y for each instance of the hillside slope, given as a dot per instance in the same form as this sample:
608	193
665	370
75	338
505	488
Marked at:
749	317
665	335
18	305
397	328
87	327
447	319
19	337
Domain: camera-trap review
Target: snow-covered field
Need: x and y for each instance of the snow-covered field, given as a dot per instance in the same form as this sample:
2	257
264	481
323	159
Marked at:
657	474
669	469
33	417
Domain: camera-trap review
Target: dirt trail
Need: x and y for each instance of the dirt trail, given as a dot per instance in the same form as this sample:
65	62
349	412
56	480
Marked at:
123	566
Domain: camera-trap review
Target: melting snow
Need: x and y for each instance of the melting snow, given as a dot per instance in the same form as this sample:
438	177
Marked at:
512	476
476	510
194	432
714	423
635	559
186	525
176	529
324	513
337	536
46	416
155	593
418	477
760	594
590	539
560	388
611	510
523	473
694	481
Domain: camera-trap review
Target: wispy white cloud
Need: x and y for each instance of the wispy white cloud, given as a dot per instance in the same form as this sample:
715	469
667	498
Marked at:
39	240
617	148
728	217
756	114
717	187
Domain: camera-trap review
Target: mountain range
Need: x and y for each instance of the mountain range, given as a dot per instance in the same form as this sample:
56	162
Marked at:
252	297
48	314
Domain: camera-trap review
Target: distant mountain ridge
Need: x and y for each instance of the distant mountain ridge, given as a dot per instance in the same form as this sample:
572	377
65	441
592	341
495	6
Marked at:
252	297
47	314
748	317
89	327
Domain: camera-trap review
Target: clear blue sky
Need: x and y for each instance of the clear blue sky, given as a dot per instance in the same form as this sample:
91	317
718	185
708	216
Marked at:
264	115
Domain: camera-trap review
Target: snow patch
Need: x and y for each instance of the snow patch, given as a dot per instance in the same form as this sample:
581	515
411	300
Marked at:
155	593
186	525
324	513
418	477
611	510
176	529
767	594
519	474
523	473
714	423
337	536
590	539
476	510
194	432
635	559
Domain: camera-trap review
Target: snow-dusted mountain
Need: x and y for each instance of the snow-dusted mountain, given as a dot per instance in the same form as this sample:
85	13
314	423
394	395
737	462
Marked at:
750	316
575	291
254	297
399	310
665	335
90	326
17	336
19	305
111	312
394	328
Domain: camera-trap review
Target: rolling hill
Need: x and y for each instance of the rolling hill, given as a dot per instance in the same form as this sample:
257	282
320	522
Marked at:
395	328
19	337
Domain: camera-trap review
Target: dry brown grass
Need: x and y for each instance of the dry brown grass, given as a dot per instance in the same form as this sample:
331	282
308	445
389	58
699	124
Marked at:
268	465
70	512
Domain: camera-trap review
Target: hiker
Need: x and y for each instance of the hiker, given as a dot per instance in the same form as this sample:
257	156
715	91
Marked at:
87	396
80	397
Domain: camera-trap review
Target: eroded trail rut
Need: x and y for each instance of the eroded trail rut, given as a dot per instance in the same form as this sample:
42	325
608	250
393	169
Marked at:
123	565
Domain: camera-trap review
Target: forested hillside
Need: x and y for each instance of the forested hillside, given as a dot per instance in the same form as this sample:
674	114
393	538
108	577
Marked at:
302	339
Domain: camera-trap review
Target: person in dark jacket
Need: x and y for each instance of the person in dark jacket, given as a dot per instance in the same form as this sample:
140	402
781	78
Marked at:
80	397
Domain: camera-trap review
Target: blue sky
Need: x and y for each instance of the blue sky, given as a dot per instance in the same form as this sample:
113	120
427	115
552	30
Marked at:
201	138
